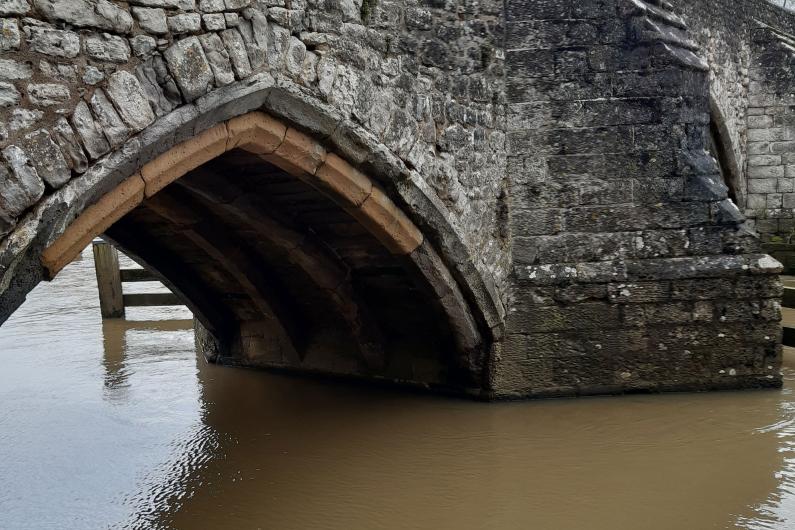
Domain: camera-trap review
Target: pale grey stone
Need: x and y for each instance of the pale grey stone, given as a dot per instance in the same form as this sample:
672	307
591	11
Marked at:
46	157
22	119
143	45
237	52
218	58
99	14
153	77
109	121
294	59
278	43
11	70
189	66
309	72
231	20
151	20
14	7
185	23
255	35
58	72
351	10
186	5
214	22
65	137
88	130
10	39
48	94
53	42
108	48
126	92
92	75
236	4
21	187
211	6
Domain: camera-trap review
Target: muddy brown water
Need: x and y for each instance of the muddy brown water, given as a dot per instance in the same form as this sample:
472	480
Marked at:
119	425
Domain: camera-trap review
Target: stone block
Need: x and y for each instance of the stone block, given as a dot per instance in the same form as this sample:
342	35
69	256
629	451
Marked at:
151	20
188	64
11	70
298	154
71	149
48	94
218	58
10	38
255	132
46	157
379	215
214	22
128	95
14	7
89	131
185	23
110	123
53	42
107	48
20	187
238	54
95	14
342	182
9	95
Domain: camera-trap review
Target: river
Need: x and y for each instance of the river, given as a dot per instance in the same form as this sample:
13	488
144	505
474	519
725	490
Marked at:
117	424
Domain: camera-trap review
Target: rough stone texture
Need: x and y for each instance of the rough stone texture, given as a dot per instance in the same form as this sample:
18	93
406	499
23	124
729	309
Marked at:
552	155
46	157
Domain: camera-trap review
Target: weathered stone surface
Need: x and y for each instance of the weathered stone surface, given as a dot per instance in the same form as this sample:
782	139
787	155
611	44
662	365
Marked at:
214	22
22	119
126	92
88	130
189	66
237	52
21	187
185	23
93	76
158	86
47	158
100	14
11	70
151	20
71	149
53	42
9	95
9	34
108	48
14	7
48	94
109	121
218	58
143	45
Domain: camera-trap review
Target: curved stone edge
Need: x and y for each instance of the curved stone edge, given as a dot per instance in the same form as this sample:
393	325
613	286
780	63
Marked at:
283	98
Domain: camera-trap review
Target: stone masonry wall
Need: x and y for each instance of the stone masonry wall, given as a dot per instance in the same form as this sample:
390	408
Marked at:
631	269
79	78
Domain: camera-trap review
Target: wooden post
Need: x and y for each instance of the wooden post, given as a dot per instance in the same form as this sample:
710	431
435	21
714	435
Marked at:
106	264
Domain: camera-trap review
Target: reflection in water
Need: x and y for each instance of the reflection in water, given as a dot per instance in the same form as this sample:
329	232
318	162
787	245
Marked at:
117	424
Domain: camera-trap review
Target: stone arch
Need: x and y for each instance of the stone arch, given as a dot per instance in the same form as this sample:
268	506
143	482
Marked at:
396	208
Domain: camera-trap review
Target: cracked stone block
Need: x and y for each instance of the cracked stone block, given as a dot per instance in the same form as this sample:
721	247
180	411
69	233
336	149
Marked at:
108	48
218	58
98	14
53	42
10	39
21	187
126	92
108	119
65	137
237	52
48	94
152	84
151	20
88	130
47	158
188	64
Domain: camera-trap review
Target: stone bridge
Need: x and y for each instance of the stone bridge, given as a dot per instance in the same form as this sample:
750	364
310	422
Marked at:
504	199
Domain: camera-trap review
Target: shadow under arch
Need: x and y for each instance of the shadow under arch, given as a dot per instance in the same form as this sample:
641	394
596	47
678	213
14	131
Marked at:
146	175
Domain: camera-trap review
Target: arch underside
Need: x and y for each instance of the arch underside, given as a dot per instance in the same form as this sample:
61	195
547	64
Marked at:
289	259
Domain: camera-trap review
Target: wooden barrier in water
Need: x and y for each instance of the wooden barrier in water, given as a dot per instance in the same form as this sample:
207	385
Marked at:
110	280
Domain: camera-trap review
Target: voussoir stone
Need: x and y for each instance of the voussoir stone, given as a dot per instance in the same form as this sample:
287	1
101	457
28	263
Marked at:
21	187
66	139
99	14
188	64
88	130
126	92
219	59
47	158
110	122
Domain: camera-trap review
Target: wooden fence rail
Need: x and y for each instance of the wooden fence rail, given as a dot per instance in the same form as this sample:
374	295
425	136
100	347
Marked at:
110	280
